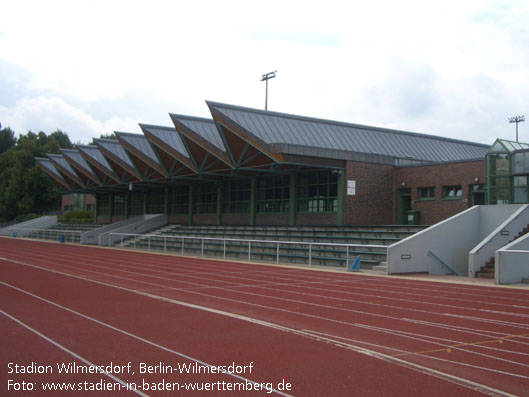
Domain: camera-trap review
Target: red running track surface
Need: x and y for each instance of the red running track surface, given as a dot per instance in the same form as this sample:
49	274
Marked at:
286	331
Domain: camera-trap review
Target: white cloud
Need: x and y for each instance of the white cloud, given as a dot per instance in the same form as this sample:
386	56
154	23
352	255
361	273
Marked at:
49	114
451	68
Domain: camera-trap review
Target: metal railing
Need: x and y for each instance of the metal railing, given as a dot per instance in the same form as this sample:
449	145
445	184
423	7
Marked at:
278	245
48	234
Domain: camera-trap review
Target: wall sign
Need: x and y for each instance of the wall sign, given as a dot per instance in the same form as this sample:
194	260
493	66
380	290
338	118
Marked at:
351	188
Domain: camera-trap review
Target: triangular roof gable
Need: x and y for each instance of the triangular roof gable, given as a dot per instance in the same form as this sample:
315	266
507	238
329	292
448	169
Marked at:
201	135
171	150
57	179
95	158
142	154
118	159
76	160
67	172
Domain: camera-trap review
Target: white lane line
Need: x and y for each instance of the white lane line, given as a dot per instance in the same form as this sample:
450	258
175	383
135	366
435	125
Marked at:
139	338
371	353
226	288
71	353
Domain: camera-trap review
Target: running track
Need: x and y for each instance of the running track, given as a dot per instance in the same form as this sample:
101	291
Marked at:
325	333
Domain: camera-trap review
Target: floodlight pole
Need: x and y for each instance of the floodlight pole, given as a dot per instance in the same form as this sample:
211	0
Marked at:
516	119
266	77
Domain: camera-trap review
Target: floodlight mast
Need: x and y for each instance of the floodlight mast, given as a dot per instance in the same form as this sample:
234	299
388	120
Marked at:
517	119
266	77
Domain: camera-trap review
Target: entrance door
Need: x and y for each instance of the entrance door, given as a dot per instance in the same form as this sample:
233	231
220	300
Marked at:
403	206
477	195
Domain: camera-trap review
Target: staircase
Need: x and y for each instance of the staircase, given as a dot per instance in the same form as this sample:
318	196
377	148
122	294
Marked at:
489	269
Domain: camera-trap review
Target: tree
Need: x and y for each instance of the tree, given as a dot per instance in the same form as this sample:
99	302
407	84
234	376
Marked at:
24	187
7	139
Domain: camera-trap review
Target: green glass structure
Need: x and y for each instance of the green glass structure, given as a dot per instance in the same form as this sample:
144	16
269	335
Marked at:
507	172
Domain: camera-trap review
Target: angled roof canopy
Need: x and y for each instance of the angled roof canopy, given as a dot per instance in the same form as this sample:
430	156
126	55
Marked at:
203	143
142	155
279	132
57	179
67	172
171	151
240	141
118	159
85	172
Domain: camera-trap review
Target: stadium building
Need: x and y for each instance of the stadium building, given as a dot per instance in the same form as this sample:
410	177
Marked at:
252	167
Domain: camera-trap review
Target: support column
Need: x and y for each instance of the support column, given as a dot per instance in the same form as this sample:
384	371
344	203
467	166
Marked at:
340	198
96	207
252	202
166	201
219	204
145	204
127	200
293	201
190	209
110	207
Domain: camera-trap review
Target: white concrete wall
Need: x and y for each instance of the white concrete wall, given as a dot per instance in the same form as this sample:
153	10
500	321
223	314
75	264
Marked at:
512	262
138	224
26	228
499	224
450	240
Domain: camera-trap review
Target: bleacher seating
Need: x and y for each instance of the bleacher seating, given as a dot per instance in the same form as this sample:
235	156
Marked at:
164	239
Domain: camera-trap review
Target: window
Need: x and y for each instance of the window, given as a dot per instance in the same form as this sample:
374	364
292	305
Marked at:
103	207
273	194
119	204
426	193
136	203
236	197
520	189
318	192
156	202
452	192
205	199
179	200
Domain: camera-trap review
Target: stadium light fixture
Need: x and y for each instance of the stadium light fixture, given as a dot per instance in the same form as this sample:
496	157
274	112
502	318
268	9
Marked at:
517	119
266	77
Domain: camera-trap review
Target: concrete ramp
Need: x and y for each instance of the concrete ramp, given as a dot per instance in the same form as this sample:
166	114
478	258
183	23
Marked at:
512	262
23	229
136	225
444	248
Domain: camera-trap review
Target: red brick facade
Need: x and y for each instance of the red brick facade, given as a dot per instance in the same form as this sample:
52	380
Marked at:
465	174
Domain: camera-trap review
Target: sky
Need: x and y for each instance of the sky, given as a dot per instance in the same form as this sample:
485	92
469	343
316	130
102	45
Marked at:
457	69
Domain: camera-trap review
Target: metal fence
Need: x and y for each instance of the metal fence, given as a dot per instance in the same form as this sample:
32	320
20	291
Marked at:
71	236
161	241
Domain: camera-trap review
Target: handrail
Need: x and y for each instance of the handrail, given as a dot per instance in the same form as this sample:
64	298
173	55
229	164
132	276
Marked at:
65	232
443	263
249	241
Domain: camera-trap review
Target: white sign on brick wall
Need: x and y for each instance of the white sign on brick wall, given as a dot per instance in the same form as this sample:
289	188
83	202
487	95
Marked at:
351	188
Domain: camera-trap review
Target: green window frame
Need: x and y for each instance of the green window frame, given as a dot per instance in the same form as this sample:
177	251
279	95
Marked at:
318	192
119	204
273	194
179	200
454	192
136	203
426	193
236	197
205	199
103	207
156	202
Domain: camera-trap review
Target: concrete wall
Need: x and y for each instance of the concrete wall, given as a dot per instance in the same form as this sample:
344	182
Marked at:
499	224
138	224
512	262
25	228
450	240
